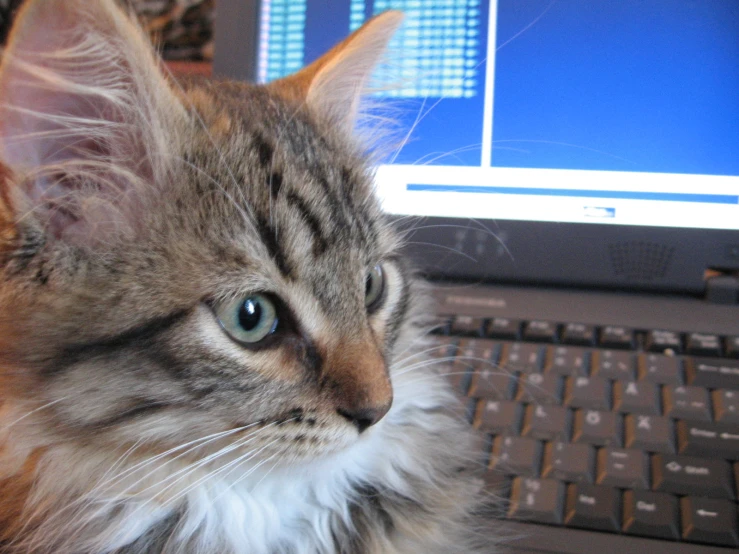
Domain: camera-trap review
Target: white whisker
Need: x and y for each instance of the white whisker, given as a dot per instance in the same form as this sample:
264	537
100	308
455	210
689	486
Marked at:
47	405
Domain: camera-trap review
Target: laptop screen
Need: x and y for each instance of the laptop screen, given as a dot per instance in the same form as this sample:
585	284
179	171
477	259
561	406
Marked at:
577	111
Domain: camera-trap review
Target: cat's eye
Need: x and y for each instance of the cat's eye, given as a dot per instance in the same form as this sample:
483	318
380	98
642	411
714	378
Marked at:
374	288
248	320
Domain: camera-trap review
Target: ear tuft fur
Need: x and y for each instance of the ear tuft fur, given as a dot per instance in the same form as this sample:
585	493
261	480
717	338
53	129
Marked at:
332	85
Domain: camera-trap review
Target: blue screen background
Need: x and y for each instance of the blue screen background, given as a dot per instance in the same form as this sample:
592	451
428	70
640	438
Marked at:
630	85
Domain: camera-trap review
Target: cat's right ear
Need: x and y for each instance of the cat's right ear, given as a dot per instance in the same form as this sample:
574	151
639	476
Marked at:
332	86
85	119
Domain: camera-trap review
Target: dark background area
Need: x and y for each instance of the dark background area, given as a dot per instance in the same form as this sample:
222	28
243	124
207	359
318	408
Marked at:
182	29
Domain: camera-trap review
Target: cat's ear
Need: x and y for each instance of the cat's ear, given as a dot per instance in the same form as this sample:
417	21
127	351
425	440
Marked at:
332	85
84	112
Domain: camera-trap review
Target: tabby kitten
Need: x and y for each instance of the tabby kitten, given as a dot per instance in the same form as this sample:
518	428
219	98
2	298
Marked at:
209	342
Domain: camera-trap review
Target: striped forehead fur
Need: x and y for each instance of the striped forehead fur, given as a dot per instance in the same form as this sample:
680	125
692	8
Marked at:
132	207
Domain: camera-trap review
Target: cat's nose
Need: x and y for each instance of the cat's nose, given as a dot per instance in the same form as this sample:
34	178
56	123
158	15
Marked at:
365	417
357	380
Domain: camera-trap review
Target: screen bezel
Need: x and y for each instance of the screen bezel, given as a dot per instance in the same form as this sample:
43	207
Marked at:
570	254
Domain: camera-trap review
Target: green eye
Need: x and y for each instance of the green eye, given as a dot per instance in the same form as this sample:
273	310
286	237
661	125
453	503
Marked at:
373	288
248	320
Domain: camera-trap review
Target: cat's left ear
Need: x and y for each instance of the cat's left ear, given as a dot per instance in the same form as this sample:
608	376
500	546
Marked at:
332	85
86	118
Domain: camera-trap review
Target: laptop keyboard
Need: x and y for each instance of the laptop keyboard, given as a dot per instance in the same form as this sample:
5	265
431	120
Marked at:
603	427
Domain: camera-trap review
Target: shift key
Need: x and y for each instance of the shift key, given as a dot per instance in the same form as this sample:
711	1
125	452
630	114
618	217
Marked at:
712	440
714	374
686	475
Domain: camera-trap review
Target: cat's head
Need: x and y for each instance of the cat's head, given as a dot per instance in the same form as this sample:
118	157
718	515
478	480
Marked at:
201	262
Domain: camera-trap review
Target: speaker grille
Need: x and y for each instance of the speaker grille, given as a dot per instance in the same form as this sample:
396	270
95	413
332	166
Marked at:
640	260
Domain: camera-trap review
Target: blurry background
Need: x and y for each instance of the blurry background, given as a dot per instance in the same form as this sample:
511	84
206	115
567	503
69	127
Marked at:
182	29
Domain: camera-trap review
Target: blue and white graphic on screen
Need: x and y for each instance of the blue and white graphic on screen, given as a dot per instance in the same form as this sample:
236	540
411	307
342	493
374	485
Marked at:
282	38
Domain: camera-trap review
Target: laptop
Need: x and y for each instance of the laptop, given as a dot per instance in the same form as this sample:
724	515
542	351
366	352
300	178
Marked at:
571	187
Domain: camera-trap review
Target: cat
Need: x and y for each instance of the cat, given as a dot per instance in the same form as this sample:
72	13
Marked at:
210	341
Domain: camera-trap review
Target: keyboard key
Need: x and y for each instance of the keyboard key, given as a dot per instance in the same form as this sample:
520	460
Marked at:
479	351
715	440
578	333
516	456
732	347
660	369
624	468
443	347
726	406
687	403
569	462
495	384
709	520
498	417
503	328
616	337
701	344
496	483
714	374
593	507
588	392
539	388
459	378
547	423
638	397
538	500
466	325
598	428
650	433
464	409
469	355
651	514
567	360
690	475
659	341
610	364
484	442
522	356
442	325
540	331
